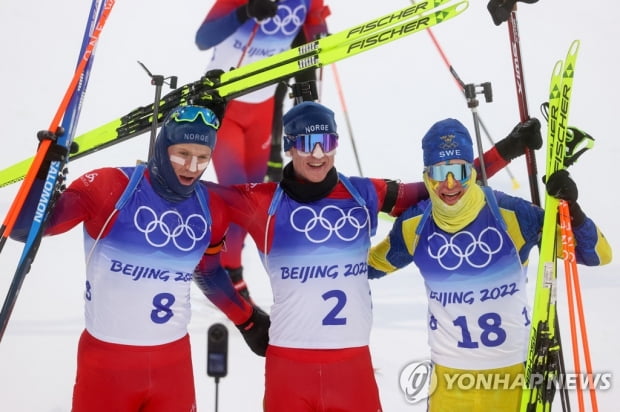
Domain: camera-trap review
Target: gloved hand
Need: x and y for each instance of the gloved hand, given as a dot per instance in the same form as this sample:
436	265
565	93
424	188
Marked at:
500	9
255	331
274	165
561	186
524	135
262	9
216	103
212	77
55	152
212	101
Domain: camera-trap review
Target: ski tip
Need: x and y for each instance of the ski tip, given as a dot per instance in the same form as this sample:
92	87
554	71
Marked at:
557	69
574	47
461	7
450	10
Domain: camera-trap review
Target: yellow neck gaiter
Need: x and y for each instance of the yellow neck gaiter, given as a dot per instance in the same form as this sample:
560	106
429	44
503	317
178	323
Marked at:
455	217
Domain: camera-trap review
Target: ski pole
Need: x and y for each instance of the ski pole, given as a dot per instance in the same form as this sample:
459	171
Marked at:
248	44
347	118
568	257
471	91
461	85
68	110
158	81
573	290
517	65
20	198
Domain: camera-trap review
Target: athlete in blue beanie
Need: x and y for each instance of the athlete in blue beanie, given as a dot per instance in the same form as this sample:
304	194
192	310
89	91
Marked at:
194	127
147	235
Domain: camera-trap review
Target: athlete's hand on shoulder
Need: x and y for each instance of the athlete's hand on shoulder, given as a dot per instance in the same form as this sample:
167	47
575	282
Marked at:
262	9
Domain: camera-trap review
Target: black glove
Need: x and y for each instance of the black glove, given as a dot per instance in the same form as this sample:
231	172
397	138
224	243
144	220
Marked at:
212	77
255	331
55	152
211	99
274	165
261	9
214	102
500	9
524	135
561	186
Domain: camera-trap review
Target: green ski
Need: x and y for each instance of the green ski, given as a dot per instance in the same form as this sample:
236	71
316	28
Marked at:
541	368
245	79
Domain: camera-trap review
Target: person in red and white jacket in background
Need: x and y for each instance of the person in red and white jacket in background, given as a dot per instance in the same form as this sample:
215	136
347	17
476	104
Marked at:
239	32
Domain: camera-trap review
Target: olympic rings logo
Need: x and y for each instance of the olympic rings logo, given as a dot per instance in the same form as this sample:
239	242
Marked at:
160	230
286	20
450	248
330	220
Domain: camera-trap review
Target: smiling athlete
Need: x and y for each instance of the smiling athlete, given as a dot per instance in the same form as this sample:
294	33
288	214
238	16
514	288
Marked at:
471	245
239	32
313	233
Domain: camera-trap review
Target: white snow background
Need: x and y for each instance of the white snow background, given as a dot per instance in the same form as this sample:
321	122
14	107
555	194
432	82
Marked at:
393	94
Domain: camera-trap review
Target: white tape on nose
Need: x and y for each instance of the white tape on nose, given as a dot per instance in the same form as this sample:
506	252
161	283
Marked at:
192	164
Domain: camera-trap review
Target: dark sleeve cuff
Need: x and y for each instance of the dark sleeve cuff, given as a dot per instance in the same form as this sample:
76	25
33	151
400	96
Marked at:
576	214
242	14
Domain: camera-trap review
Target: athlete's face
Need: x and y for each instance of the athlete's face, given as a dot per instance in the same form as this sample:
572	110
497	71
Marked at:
449	179
312	166
189	160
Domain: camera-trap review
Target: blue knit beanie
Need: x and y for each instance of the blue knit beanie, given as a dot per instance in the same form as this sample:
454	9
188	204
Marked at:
307	118
447	140
184	124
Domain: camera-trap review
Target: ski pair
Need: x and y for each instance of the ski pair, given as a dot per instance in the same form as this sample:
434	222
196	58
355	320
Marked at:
250	77
68	111
543	360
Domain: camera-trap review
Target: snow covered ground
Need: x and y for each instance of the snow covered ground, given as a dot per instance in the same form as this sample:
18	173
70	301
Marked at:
393	94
